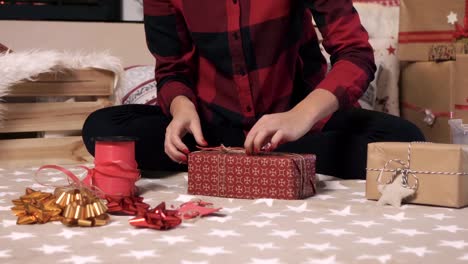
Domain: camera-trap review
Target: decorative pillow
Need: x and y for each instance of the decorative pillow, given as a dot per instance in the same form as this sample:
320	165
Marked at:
381	18
138	86
369	99
3	48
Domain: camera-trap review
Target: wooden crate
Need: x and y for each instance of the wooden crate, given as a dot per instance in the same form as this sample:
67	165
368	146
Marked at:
31	110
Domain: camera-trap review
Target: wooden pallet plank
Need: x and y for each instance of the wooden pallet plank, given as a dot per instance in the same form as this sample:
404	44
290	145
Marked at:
30	117
40	151
88	82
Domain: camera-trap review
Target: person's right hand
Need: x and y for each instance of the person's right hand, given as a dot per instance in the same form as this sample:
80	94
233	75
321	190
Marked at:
185	120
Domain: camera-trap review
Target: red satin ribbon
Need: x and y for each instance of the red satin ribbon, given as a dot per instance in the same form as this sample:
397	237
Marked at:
158	218
71	175
103	178
126	205
420	109
459	32
462	32
161	218
425	36
461	107
114	178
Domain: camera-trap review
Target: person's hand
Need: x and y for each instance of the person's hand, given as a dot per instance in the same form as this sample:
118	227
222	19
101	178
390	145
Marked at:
276	129
185	120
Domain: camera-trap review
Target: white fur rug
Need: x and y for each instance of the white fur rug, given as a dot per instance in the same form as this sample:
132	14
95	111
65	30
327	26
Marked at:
19	66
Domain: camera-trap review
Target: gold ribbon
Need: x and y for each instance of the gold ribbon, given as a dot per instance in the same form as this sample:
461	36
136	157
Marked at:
36	207
81	208
73	204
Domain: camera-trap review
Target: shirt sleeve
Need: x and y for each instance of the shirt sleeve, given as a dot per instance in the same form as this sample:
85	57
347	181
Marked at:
347	42
169	41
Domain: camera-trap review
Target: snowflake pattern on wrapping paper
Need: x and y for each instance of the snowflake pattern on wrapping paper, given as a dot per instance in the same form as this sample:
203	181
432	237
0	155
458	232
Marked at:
239	176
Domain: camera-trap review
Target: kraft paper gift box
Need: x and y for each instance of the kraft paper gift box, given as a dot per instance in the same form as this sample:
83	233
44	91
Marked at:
425	24
441	171
433	92
234	174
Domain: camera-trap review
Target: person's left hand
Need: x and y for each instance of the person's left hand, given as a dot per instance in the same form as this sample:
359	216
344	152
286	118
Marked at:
276	129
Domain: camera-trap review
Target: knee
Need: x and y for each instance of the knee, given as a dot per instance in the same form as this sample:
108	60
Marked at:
399	129
410	132
98	123
94	121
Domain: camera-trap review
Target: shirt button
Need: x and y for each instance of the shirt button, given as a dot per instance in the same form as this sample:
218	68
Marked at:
236	35
241	71
249	109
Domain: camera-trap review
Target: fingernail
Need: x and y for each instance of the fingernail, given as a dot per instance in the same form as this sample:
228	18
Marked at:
204	142
186	151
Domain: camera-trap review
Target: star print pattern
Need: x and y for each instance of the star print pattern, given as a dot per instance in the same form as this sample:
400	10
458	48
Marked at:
260	224
110	242
264	261
211	251
5	253
262	247
452	18
460	244
172	240
418	251
141	254
450	228
381	259
319	247
345	212
438	216
49	249
81	260
372	241
316	230
408	232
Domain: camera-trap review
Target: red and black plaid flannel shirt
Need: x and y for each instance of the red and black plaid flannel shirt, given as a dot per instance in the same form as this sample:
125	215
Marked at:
240	59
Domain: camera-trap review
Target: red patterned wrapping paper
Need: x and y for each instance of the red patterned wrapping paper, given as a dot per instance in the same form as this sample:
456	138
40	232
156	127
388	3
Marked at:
237	175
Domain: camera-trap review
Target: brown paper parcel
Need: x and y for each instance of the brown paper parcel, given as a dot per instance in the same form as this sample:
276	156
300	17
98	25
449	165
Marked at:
425	23
434	88
435	188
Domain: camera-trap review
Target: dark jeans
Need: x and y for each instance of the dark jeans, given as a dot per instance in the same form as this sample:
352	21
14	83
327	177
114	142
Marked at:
341	147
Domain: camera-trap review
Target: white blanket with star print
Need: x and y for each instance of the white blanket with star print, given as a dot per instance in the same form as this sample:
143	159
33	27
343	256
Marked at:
338	225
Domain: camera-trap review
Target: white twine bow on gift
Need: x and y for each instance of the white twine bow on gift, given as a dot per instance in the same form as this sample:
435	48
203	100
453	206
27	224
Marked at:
429	117
406	171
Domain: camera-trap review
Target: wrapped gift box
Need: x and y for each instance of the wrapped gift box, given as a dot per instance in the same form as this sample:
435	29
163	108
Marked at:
442	181
425	23
433	91
237	175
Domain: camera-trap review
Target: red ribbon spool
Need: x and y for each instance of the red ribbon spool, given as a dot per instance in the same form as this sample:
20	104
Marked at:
116	169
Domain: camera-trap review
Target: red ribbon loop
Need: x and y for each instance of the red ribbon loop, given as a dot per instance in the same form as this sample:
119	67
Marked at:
461	32
126	205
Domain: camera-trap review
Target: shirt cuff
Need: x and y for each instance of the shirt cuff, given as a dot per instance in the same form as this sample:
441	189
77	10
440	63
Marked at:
346	81
171	90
